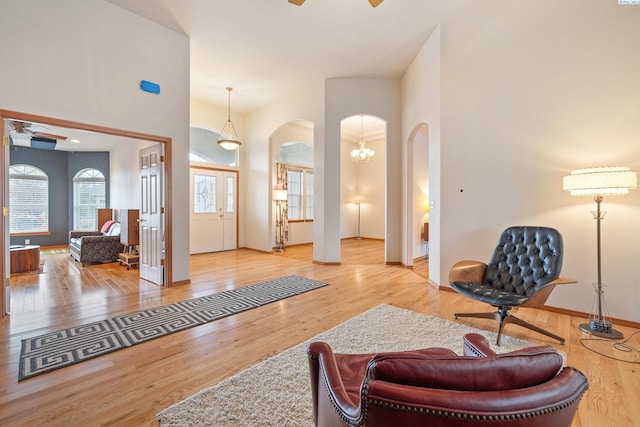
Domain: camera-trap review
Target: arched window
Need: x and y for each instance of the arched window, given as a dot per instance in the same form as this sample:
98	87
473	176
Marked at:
29	199
89	194
297	153
203	147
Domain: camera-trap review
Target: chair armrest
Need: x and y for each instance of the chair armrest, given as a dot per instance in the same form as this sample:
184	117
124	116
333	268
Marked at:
326	380
539	298
476	345
467	271
562	281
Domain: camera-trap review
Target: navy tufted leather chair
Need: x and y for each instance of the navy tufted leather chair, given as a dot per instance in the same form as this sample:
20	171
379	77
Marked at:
522	272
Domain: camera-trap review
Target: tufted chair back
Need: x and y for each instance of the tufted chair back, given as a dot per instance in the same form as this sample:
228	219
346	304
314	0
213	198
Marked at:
525	259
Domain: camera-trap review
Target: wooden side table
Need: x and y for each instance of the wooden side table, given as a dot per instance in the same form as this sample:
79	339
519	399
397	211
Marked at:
130	260
24	258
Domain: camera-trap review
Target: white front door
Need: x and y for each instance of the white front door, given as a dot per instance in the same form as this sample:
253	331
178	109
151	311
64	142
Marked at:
213	200
151	214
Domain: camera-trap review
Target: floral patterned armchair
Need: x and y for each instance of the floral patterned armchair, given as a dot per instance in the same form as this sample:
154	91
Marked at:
89	247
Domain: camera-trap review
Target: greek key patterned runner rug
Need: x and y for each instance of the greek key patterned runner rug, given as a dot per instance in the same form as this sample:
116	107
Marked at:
55	350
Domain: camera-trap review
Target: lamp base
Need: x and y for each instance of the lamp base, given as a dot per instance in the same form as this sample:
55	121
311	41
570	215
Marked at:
358	238
601	328
280	249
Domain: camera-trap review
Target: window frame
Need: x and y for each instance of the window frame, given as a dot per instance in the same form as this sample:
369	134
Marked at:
303	196
40	175
97	177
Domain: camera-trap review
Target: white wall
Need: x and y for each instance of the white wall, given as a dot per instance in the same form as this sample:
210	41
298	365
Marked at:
531	90
368	180
371	184
83	61
344	98
420	130
124	175
340	98
419	191
256	231
214	117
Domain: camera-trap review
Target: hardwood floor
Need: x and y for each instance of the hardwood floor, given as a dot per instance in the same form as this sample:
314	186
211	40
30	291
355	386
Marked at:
130	386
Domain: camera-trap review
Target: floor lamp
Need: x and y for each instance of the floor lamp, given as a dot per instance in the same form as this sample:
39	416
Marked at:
600	182
358	200
280	196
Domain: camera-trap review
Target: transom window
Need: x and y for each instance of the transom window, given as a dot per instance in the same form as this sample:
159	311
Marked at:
29	200
89	195
204	148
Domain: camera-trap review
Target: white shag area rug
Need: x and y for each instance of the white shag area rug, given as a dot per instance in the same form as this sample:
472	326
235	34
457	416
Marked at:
276	391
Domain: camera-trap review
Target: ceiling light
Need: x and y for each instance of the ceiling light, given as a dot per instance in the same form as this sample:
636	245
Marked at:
363	154
228	136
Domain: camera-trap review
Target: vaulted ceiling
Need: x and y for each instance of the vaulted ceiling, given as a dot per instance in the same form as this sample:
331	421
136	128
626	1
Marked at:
265	49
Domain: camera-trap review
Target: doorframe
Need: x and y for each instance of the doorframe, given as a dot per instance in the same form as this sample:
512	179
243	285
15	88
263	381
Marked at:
221	169
422	129
7	114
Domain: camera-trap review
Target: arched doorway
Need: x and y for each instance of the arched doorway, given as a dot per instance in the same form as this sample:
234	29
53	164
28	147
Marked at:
363	181
418	202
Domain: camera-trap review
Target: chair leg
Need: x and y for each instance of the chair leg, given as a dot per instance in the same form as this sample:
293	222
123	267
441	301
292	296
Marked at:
494	315
513	319
503	317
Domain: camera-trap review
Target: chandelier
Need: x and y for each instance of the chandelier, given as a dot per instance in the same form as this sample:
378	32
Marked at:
228	136
362	154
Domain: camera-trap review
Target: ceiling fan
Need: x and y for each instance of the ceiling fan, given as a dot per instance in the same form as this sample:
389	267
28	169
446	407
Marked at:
36	130
373	3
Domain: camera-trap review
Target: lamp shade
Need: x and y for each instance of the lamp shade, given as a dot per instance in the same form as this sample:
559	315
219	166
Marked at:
359	198
280	195
600	181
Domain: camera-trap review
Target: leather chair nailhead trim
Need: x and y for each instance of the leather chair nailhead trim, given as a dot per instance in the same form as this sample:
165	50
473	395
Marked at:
350	421
464	416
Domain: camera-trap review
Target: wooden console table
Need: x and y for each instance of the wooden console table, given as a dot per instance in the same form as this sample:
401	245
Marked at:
24	258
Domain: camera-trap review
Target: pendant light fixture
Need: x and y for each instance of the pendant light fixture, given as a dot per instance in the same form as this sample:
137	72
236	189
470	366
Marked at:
363	154
228	136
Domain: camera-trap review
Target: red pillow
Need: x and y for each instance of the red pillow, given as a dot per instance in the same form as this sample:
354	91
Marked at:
107	225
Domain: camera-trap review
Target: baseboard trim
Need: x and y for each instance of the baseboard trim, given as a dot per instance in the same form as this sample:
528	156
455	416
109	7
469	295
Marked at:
575	313
256	250
615	321
326	263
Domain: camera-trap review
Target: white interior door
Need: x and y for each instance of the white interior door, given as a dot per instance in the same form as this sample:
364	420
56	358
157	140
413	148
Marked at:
213	202
151	215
